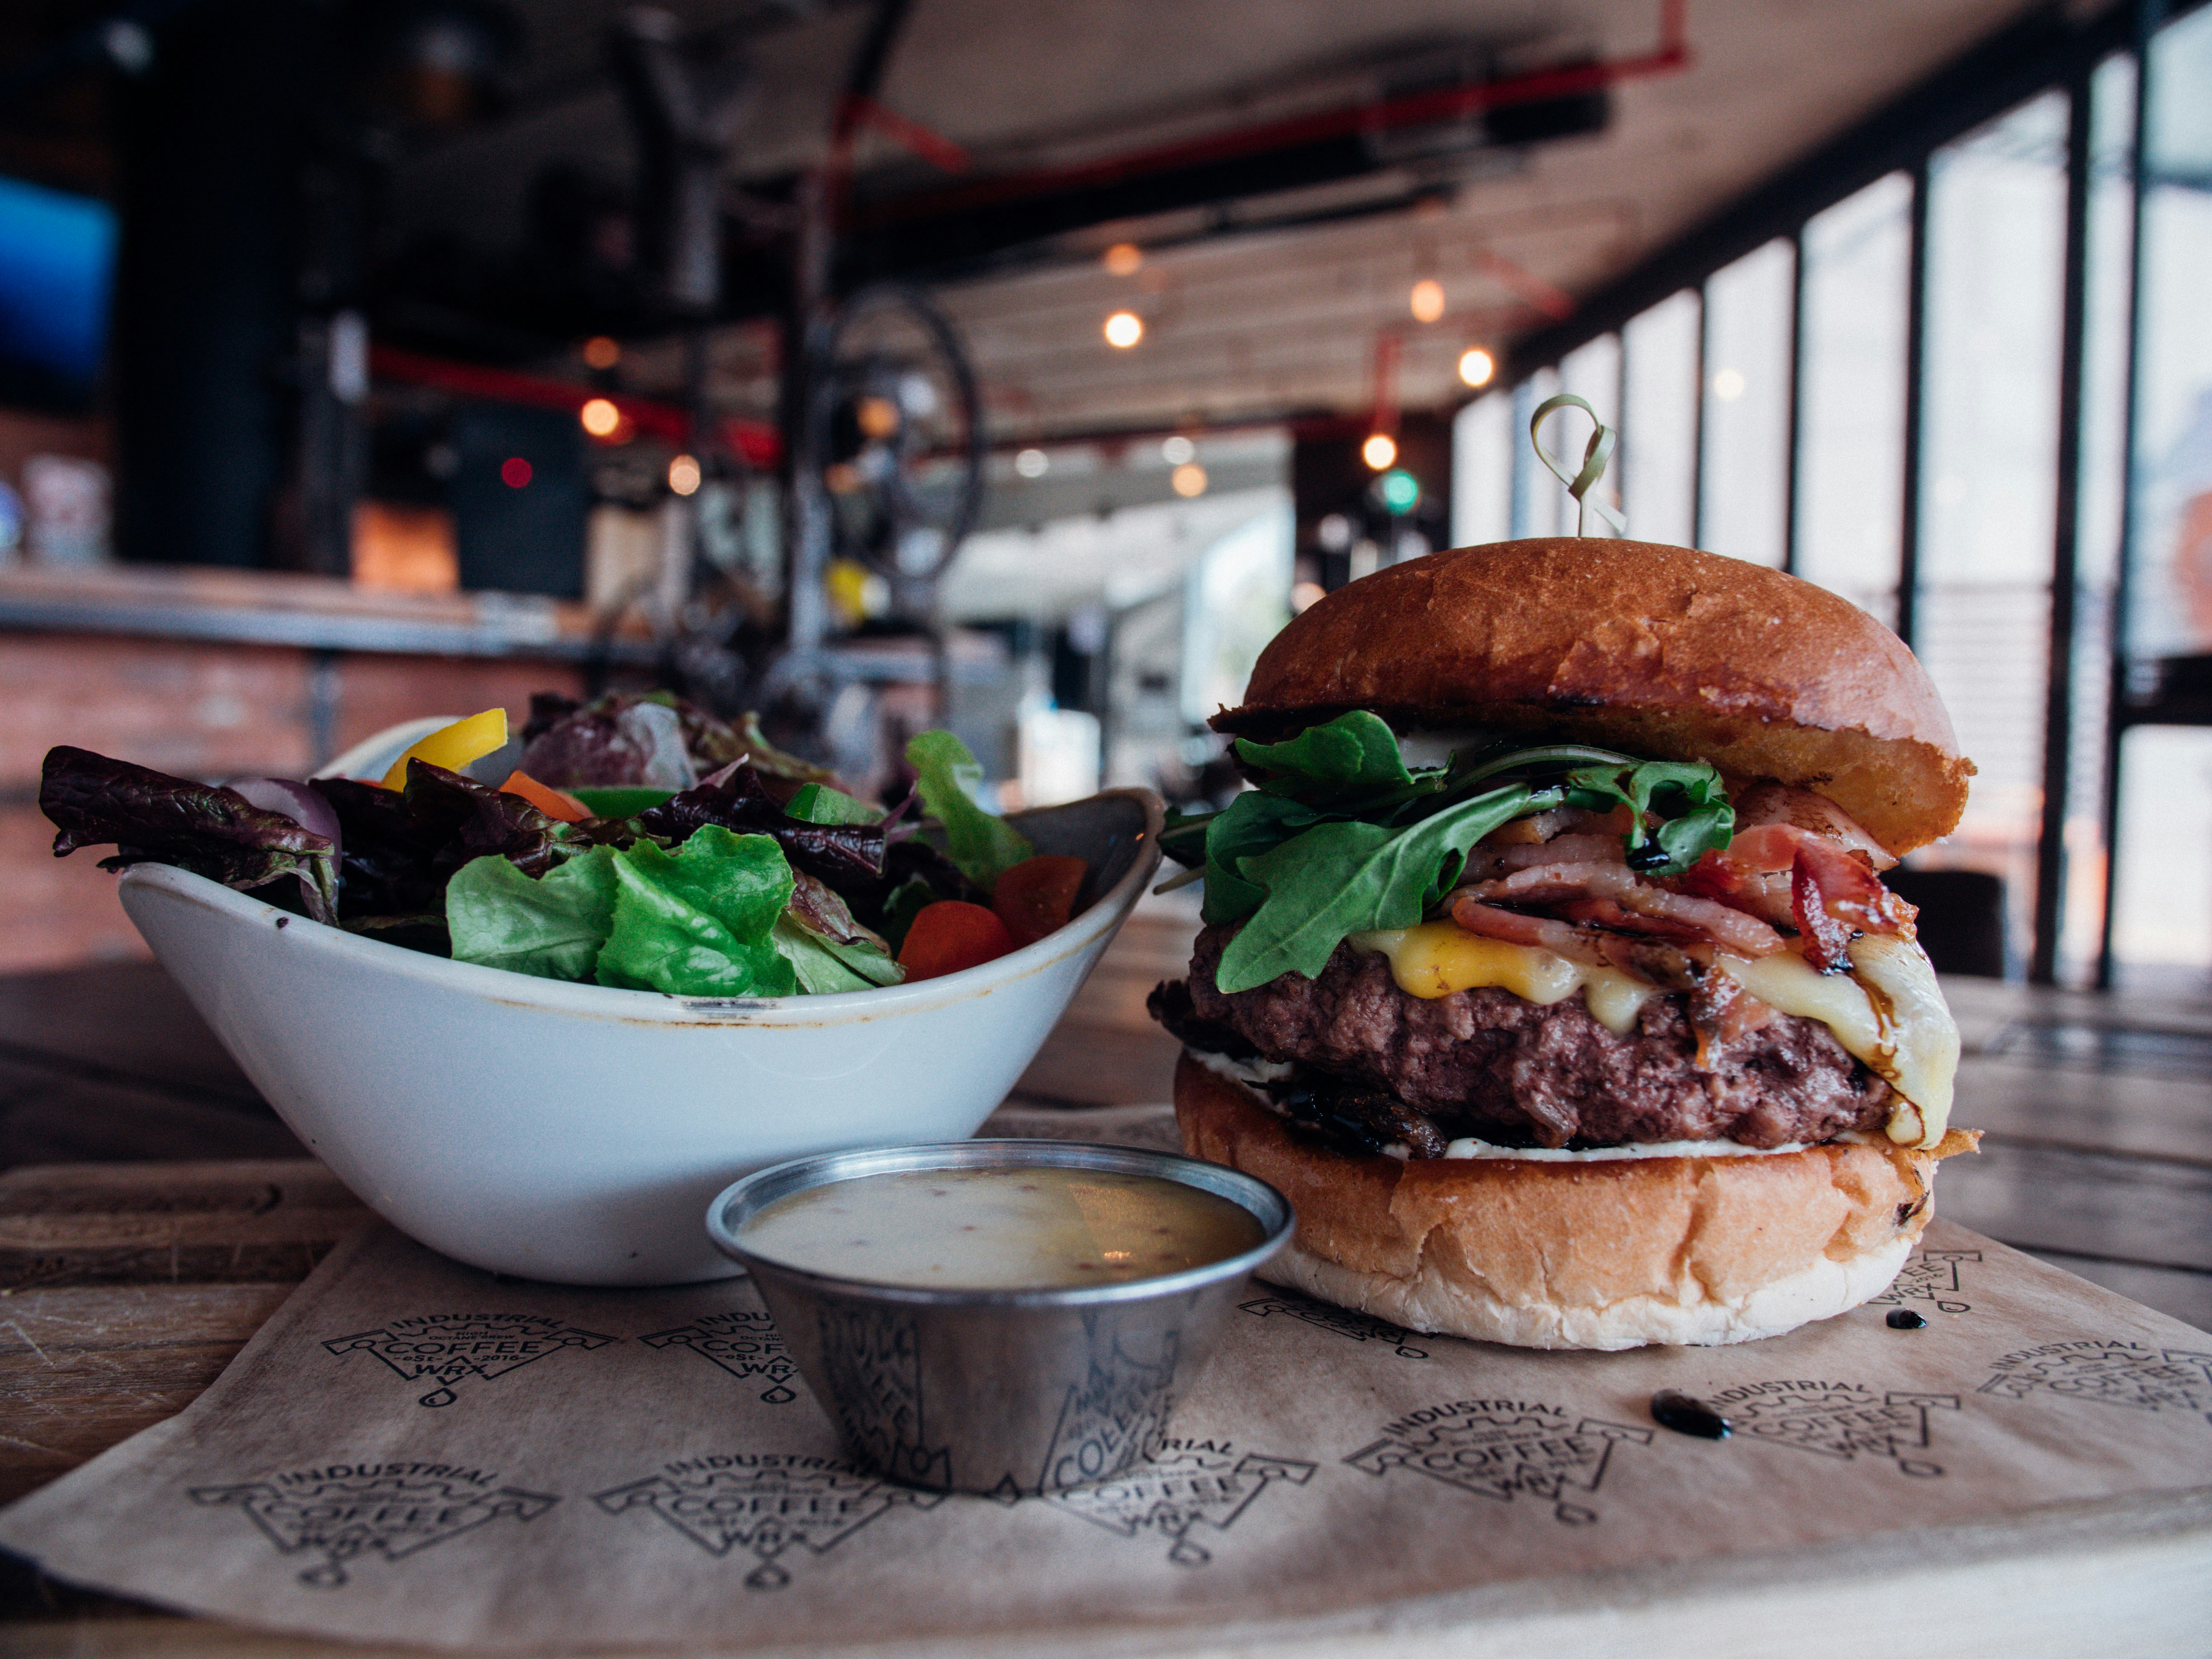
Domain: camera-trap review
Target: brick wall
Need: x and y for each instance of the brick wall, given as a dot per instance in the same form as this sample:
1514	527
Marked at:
198	710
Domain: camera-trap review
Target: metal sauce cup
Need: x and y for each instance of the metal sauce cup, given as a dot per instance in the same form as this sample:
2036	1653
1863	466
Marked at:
1005	1392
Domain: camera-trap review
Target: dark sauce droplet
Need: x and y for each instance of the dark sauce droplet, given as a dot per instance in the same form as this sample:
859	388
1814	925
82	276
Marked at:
1672	1409
1904	1319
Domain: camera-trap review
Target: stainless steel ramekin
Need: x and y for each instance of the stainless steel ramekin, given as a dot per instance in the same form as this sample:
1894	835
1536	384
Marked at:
1007	1392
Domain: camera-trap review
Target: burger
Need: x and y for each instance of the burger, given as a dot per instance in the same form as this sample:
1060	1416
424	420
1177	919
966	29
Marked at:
1547	968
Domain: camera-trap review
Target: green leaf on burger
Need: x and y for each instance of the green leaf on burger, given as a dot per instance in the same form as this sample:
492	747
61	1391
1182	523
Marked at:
1689	795
1350	877
1253	825
1354	757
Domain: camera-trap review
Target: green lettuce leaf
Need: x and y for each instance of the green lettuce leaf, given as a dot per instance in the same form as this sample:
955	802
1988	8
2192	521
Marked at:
983	848
552	926
825	965
699	921
1344	878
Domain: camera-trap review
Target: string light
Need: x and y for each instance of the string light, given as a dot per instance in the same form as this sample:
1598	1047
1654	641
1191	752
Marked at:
1188	479
1427	300
1476	365
1124	259
600	417
1178	449
515	472
1379	451
1124	329
1032	463
684	475
602	353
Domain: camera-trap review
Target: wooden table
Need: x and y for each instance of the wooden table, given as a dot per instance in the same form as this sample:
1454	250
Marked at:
153	1212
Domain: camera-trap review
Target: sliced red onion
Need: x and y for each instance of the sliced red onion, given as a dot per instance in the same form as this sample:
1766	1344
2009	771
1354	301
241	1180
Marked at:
295	800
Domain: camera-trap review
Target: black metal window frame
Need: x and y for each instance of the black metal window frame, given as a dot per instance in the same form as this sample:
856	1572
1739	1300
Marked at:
2045	52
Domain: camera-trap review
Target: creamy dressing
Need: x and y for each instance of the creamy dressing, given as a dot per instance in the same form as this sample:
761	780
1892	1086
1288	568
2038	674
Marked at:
1019	1229
1886	1011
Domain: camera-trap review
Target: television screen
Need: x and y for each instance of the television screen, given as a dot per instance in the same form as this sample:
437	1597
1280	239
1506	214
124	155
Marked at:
57	266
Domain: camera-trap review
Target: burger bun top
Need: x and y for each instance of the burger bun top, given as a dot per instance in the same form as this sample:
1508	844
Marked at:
1664	652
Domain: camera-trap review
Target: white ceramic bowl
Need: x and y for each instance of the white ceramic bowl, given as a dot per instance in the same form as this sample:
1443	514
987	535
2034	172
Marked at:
575	1133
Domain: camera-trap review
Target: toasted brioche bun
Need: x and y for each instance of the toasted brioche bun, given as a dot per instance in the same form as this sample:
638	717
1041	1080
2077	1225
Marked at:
1613	1254
1661	651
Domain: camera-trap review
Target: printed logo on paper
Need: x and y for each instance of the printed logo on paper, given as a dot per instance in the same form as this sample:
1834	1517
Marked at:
1498	1449
1930	1276
745	1343
1181	1487
2111	1373
347	1510
1843	1420
766	1504
448	1348
1340	1322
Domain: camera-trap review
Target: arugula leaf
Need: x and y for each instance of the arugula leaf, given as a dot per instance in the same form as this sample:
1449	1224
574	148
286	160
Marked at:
1346	877
817	803
552	926
1253	825
1689	795
1354	755
983	847
698	922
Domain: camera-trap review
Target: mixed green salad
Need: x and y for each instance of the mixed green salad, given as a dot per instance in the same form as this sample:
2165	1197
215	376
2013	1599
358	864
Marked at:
640	843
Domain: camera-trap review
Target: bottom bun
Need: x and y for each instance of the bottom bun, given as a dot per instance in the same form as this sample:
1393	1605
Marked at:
1603	1253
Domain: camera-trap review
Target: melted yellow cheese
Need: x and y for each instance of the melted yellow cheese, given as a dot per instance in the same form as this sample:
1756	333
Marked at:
1886	1011
1439	957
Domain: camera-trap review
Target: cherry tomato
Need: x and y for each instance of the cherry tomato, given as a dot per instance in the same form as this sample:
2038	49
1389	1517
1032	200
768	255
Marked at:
1038	895
951	935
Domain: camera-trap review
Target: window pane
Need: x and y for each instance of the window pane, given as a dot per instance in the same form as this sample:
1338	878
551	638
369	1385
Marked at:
1482	470
1850	466
1658	460
2171	583
1746	394
1996	216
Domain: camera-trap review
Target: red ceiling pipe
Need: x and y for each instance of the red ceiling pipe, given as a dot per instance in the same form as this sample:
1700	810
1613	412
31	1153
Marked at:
1671	53
756	442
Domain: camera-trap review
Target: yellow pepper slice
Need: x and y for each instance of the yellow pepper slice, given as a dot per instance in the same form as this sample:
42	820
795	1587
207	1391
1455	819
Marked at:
453	746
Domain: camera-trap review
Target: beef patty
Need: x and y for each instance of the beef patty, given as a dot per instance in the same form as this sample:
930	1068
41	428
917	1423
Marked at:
1487	1063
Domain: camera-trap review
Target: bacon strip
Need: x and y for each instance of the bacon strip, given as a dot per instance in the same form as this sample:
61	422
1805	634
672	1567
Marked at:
1543	933
1722	924
1833	893
1545	883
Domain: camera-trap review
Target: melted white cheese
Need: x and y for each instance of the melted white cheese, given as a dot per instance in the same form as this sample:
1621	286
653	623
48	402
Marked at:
1886	1011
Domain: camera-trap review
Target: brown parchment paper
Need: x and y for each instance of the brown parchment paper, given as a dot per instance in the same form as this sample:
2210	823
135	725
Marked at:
416	1451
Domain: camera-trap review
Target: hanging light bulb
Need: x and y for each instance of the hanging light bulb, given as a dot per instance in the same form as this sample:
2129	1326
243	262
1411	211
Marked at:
1427	300
1124	329
1379	451
1476	365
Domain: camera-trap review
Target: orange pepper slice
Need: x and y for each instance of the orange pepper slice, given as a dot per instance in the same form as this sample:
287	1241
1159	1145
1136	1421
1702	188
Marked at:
554	802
